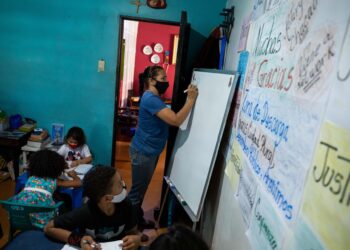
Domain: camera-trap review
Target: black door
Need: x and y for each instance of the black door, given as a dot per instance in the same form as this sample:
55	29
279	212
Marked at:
180	82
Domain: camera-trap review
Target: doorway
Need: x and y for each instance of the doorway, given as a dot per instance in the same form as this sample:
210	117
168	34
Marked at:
145	42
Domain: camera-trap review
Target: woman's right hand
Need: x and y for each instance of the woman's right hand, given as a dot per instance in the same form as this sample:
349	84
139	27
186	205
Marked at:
192	92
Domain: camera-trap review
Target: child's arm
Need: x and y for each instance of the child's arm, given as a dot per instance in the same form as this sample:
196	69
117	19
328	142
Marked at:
85	160
67	236
76	182
57	233
87	157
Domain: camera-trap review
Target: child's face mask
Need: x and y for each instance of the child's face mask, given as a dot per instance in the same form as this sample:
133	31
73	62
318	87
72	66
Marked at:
72	143
73	146
119	197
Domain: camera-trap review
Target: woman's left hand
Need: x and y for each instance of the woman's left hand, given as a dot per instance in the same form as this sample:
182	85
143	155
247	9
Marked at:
131	242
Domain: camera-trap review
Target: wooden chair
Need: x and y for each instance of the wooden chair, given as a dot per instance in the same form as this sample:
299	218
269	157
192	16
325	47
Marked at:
19	215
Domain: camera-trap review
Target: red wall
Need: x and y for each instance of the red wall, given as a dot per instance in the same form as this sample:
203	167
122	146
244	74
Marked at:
150	34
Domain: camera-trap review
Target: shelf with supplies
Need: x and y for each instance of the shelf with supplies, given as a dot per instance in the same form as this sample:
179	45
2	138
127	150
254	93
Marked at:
127	121
27	149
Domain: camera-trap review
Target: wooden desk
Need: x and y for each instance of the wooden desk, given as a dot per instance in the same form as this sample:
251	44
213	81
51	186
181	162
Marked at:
12	144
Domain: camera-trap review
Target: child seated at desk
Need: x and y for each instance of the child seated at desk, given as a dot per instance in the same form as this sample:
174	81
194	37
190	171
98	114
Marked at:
75	150
107	216
45	167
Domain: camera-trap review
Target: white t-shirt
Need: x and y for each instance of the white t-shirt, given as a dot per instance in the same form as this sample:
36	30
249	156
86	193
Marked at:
74	154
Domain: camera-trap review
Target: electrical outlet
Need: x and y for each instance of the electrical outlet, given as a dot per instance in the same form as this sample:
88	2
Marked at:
101	65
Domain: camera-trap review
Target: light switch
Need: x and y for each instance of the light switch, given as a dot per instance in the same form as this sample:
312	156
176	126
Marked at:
101	65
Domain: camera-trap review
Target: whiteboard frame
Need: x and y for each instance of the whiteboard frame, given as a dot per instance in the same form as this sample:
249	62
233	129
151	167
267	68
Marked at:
192	214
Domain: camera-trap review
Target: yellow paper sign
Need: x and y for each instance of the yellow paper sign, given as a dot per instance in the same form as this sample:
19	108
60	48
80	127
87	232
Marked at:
327	195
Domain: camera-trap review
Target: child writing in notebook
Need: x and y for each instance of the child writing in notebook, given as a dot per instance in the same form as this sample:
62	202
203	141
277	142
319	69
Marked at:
45	167
107	216
75	150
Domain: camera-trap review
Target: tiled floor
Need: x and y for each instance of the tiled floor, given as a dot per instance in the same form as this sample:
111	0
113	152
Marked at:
152	198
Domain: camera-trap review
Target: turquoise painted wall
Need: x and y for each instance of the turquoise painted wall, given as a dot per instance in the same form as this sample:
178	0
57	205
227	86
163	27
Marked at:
49	51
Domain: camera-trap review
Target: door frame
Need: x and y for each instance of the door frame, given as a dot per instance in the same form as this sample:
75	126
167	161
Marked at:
117	84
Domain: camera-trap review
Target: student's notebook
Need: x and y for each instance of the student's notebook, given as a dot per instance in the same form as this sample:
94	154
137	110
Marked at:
112	245
81	170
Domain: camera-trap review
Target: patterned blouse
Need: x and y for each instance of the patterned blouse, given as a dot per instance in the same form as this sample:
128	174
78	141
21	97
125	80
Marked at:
38	191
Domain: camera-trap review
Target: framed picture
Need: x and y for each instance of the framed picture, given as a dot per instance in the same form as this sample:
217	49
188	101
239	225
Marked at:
57	134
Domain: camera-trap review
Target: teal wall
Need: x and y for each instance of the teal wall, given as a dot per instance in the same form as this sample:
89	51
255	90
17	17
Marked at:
49	51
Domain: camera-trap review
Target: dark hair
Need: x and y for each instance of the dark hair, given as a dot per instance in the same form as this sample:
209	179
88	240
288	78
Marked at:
46	163
150	72
77	134
179	237
98	182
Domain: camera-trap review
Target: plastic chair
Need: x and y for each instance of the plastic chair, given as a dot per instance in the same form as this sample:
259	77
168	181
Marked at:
76	194
21	182
19	215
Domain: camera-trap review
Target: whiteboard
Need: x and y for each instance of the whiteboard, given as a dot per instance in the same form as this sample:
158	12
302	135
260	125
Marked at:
199	137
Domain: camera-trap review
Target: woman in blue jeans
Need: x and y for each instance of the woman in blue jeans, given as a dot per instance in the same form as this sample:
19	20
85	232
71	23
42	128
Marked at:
152	133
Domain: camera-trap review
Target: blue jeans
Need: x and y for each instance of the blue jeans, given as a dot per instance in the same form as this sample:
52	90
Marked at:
143	167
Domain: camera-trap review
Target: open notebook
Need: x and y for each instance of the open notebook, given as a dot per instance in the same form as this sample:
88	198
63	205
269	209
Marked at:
112	245
81	170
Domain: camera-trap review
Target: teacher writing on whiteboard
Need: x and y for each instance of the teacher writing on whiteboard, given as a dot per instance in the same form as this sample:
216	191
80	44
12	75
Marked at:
152	133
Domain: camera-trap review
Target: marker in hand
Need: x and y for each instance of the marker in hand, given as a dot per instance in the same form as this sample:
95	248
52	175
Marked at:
92	244
185	91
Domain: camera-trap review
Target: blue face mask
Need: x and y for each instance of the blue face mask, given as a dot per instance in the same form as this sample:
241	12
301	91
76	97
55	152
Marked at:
161	86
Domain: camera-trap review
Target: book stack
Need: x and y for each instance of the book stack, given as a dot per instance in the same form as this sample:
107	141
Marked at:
38	139
27	127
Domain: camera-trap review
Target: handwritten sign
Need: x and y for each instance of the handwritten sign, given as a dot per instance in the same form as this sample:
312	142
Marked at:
258	8
246	193
267	229
234	165
297	77
304	237
339	101
287	56
285	98
244	33
327	192
271	144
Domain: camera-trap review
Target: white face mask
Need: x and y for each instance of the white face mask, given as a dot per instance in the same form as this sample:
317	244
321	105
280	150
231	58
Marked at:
119	197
